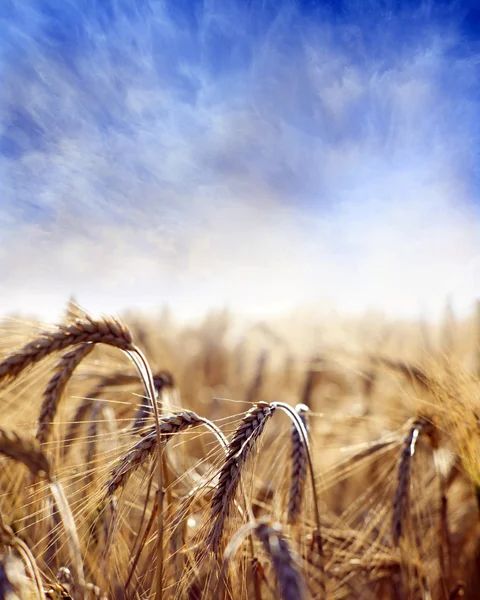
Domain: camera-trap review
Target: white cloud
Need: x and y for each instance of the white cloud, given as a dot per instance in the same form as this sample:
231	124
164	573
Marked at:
298	169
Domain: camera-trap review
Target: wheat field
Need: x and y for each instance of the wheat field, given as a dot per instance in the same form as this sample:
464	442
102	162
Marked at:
146	459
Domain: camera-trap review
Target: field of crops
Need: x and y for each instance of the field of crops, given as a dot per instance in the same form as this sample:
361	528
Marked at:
332	460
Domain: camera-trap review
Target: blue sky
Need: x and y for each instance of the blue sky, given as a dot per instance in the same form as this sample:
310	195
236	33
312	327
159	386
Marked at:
264	154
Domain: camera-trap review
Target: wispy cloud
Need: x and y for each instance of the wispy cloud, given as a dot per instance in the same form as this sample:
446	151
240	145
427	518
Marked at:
258	154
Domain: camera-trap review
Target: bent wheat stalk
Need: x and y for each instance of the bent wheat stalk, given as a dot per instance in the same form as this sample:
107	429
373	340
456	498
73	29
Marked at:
419	426
304	436
161	381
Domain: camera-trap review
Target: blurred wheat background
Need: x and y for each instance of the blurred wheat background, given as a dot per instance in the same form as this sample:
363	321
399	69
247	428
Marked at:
279	203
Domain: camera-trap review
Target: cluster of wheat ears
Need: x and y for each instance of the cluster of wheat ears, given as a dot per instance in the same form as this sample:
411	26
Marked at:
120	481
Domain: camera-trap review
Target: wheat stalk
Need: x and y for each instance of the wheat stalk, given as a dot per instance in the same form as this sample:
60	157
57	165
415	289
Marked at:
303	434
400	503
161	380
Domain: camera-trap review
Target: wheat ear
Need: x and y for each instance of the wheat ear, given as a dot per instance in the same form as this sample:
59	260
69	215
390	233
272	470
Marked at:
144	448
285	562
239	450
400	502
104	331
291	584
299	467
56	387
25	450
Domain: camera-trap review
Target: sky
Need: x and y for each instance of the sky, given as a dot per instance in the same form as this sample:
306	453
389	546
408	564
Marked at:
267	155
